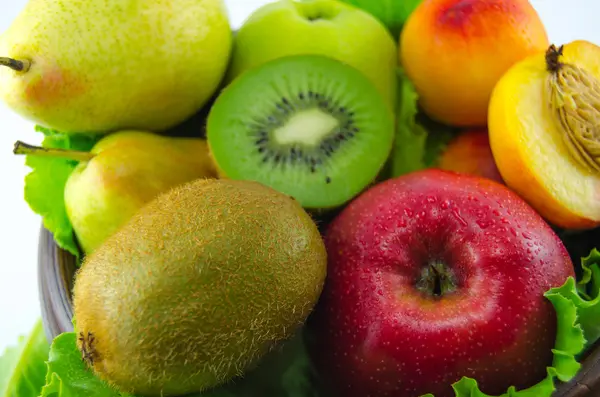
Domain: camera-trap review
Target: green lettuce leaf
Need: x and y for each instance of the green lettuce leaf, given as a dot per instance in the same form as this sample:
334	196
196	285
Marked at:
392	13
570	342
22	367
586	296
67	375
45	184
285	372
419	141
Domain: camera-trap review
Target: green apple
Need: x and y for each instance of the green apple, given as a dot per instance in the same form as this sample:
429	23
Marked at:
319	27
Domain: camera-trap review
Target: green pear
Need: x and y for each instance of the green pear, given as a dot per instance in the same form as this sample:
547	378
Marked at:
121	173
96	66
318	27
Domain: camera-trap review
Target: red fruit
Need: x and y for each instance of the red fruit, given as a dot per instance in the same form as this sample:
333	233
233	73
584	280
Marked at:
381	327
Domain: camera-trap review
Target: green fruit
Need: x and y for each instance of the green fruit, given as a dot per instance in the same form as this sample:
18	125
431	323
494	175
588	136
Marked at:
322	27
122	173
95	66
197	287
392	13
317	129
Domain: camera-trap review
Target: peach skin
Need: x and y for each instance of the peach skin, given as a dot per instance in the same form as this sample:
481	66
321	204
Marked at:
455	51
470	153
532	133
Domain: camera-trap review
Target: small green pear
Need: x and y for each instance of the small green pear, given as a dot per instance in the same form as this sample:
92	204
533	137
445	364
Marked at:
97	66
121	173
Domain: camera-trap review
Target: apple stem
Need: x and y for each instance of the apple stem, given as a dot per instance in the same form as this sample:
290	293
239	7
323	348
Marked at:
436	280
15	64
26	149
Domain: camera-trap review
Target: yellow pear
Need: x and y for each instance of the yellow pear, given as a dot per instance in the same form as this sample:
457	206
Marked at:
123	172
98	66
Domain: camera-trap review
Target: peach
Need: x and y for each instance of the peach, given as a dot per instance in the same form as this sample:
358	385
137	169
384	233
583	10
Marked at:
528	139
470	153
455	51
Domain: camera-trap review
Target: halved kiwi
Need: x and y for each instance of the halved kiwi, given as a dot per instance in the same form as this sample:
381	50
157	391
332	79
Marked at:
307	125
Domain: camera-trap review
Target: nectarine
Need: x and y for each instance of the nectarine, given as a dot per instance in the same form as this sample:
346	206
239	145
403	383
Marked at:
455	51
470	153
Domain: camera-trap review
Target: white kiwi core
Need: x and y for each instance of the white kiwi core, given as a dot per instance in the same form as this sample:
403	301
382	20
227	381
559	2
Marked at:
308	127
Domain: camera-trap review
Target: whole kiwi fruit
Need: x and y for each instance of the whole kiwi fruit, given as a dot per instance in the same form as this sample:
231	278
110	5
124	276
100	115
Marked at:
197	287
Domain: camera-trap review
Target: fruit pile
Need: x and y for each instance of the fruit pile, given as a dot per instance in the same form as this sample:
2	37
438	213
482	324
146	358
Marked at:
341	198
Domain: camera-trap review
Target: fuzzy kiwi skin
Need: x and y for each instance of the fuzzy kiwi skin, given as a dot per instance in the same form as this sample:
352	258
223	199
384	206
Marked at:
198	286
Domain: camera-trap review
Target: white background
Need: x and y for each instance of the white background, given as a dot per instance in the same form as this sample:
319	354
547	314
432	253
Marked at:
19	226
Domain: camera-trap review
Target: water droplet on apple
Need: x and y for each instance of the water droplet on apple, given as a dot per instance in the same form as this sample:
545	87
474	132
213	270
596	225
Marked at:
483	224
431	199
460	219
526	235
408	212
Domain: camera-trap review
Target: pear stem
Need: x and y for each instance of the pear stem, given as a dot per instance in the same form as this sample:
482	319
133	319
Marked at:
26	149
15	64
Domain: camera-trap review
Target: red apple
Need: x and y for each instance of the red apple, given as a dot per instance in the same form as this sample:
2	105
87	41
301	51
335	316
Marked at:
434	276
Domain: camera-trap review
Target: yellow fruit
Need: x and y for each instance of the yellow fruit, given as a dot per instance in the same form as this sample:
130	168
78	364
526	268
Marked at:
99	66
533	149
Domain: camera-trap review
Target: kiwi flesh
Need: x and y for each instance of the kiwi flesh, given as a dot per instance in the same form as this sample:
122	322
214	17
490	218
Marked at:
306	125
197	287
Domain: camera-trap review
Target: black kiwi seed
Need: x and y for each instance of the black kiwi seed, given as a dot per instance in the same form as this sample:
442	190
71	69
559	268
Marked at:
326	148
279	116
328	180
